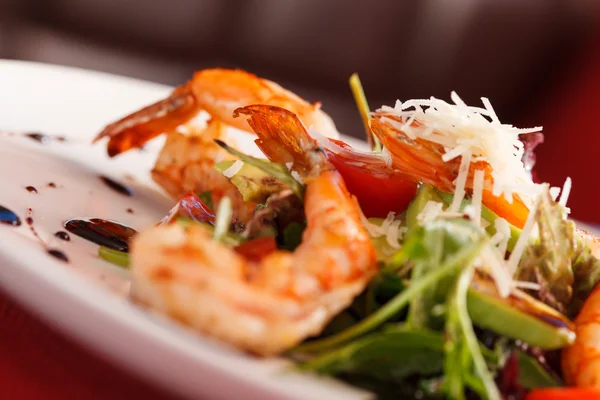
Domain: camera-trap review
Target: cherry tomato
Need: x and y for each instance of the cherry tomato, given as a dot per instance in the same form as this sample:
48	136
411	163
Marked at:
570	393
376	186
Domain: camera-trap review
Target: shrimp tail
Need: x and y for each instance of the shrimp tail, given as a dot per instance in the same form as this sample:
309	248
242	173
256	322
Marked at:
283	137
165	115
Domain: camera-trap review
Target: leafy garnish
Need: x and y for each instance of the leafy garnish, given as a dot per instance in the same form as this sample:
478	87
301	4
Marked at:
292	236
206	198
463	352
253	183
457	257
532	375
276	170
549	262
390	355
363	109
586	271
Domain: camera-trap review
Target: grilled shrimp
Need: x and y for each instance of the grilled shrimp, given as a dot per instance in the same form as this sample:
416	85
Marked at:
581	361
422	161
186	164
270	305
218	92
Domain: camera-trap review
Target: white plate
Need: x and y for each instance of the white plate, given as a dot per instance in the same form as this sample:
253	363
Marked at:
85	297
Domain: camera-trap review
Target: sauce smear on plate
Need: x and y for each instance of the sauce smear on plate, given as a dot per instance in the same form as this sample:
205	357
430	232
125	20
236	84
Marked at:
103	232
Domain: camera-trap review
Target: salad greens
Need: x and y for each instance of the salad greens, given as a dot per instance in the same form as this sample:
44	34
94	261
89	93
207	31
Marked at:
119	258
276	170
418	326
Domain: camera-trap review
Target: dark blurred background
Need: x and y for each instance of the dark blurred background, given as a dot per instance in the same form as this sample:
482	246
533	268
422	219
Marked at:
525	55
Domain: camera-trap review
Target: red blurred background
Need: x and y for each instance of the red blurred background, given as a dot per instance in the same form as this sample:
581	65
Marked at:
537	60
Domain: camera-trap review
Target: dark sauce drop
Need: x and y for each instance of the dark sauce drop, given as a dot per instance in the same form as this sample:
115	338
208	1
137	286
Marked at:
102	232
9	217
63	235
39	137
116	186
58	254
31	189
52	185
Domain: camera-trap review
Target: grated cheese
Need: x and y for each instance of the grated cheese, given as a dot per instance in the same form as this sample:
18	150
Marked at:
565	192
515	256
477	195
526	285
502	228
554	192
394	234
461	180
233	169
462	129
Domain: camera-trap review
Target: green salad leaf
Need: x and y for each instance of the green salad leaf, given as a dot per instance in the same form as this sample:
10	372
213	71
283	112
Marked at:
460	252
390	355
276	170
549	262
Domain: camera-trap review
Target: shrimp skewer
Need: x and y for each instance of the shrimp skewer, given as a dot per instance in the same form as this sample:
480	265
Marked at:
219	92
268	306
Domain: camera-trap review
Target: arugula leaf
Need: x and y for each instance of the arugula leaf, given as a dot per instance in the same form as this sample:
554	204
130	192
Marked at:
532	375
463	350
462	252
292	236
390	355
276	170
206	198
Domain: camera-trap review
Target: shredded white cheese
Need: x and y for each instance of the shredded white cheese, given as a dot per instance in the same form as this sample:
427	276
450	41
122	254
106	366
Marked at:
554	192
565	192
515	256
526	285
503	229
463	129
461	179
233	169
394	234
477	195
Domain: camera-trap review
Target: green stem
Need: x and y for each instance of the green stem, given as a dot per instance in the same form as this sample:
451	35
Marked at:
363	109
392	307
462	286
117	257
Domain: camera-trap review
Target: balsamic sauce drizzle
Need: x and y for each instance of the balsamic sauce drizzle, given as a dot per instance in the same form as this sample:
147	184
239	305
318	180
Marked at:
116	186
103	232
53	252
9	217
